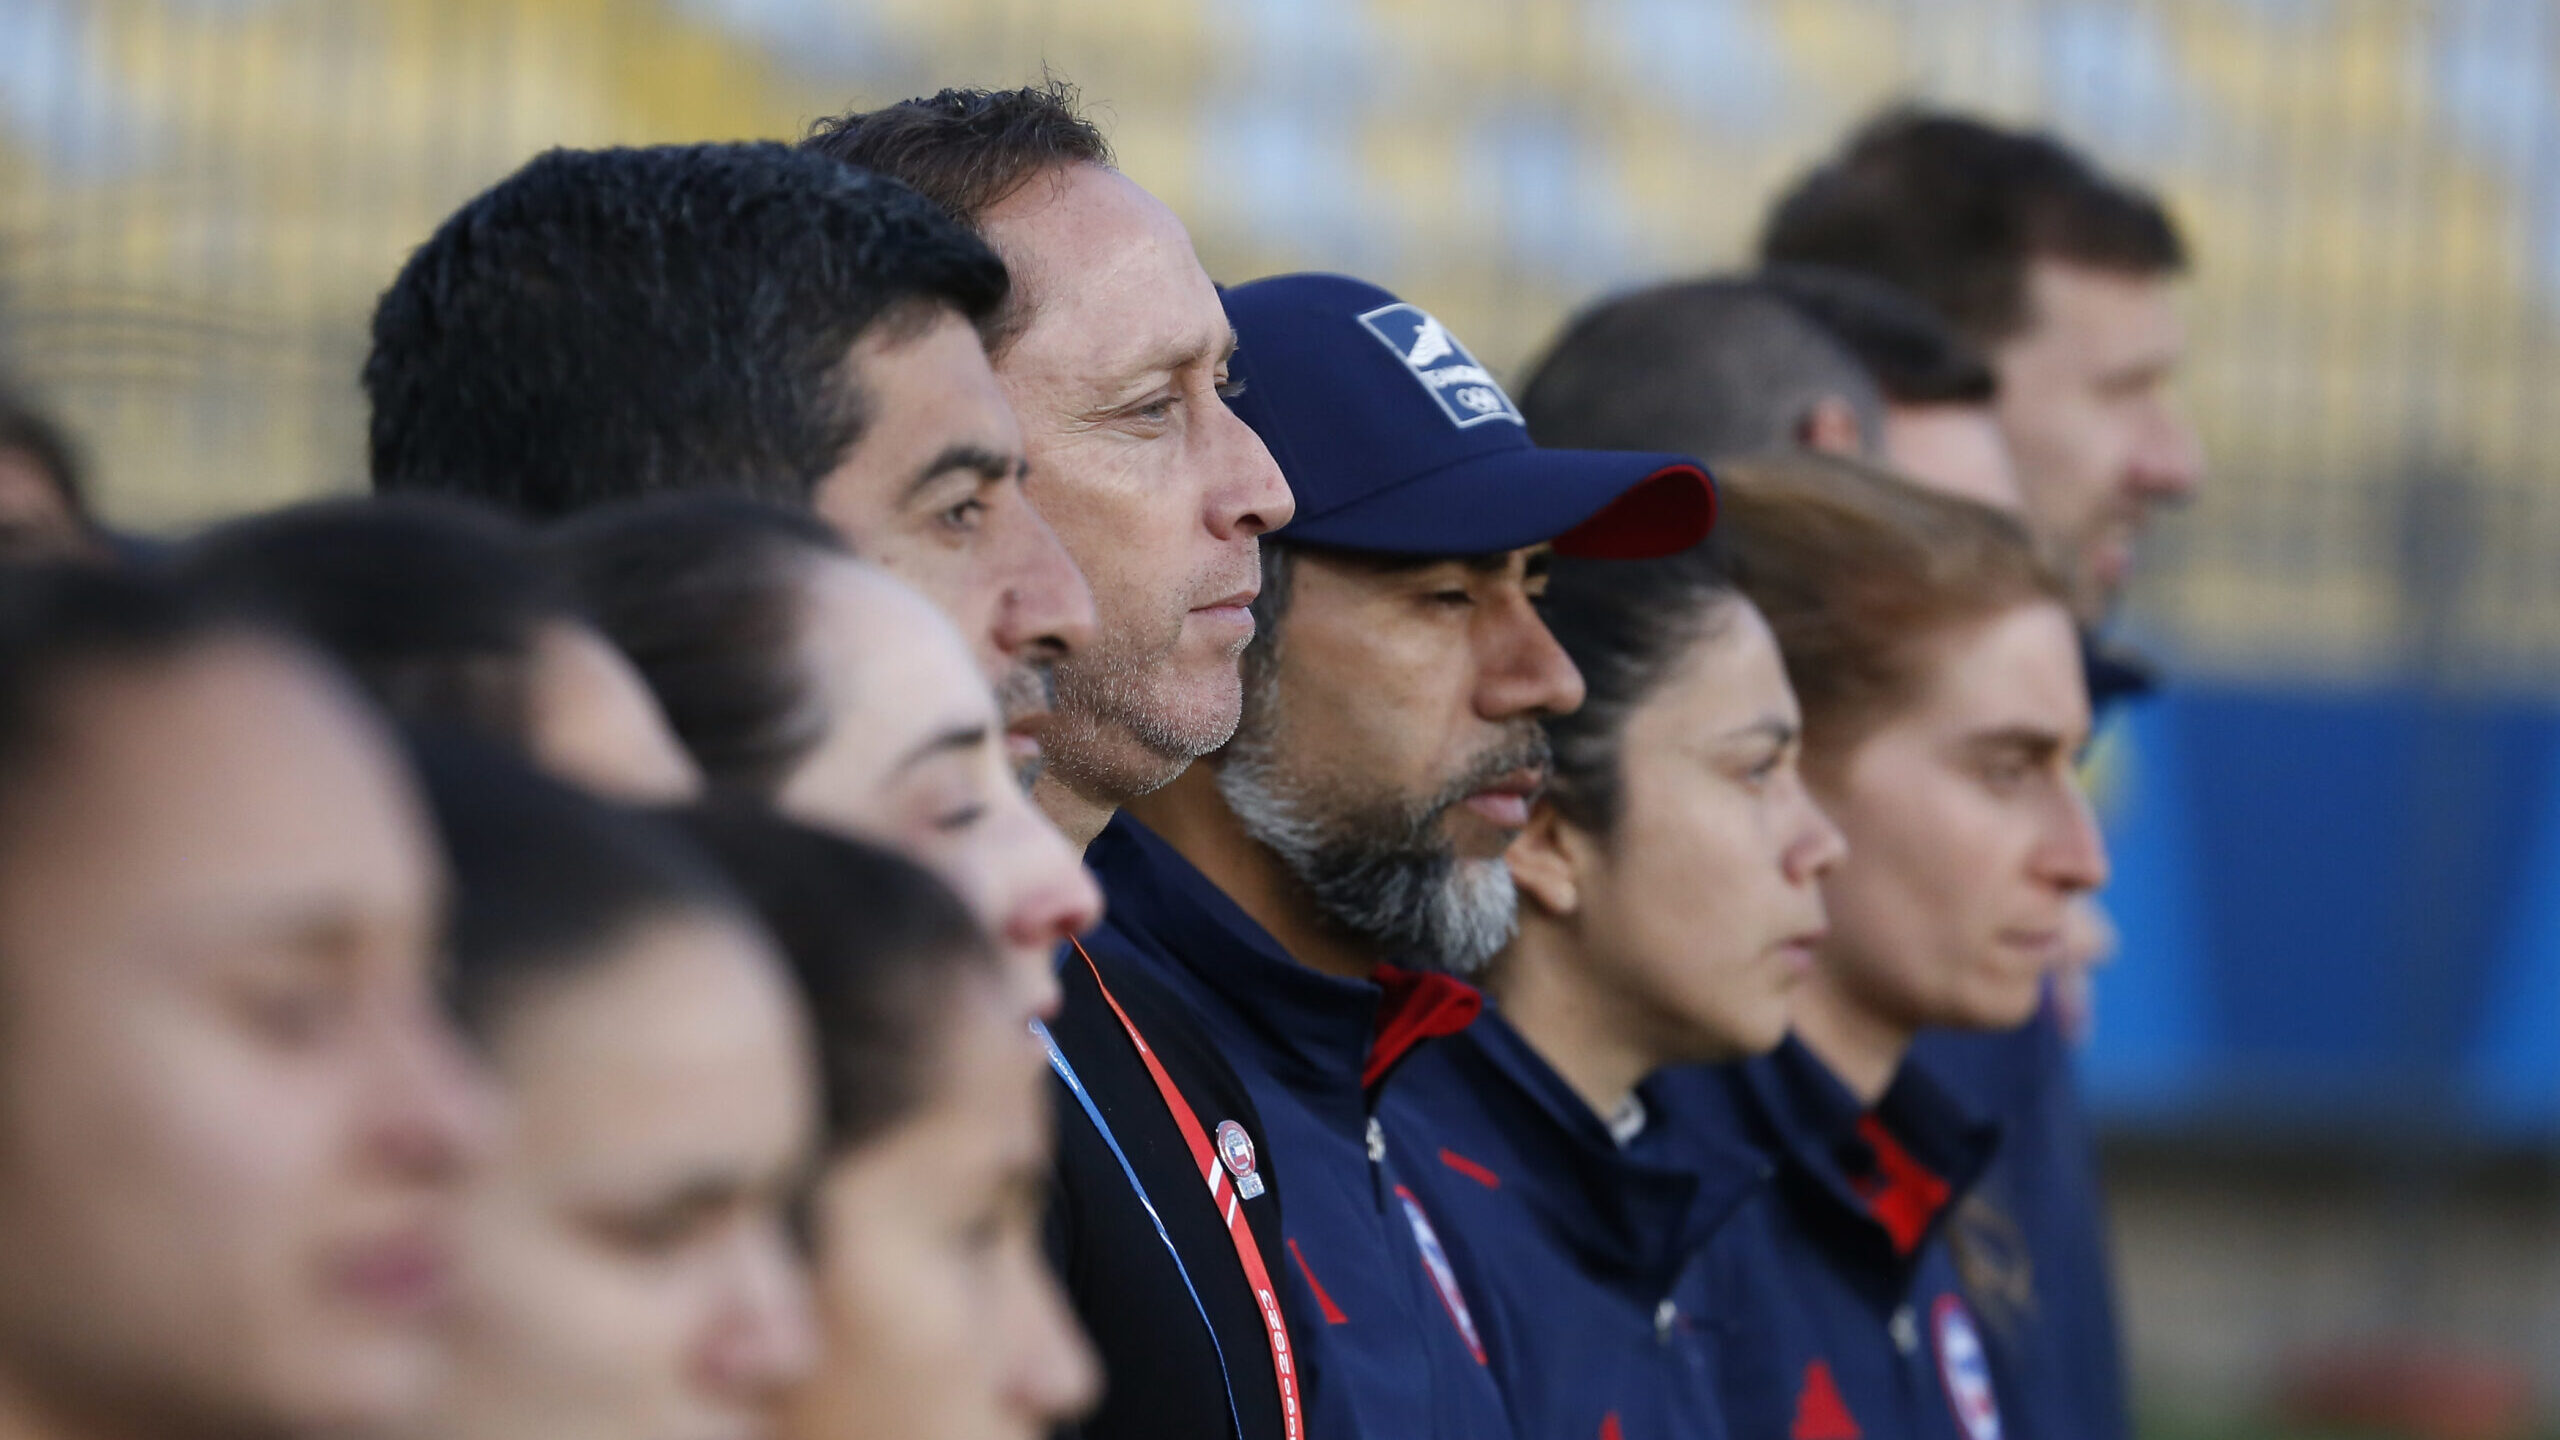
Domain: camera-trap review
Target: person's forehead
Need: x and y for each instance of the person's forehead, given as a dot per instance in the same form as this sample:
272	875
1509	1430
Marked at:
903	664
675	1054
2128	312
1107	270
234	785
2019	667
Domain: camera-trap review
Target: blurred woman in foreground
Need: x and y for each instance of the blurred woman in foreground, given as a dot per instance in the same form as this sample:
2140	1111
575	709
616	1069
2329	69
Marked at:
940	1316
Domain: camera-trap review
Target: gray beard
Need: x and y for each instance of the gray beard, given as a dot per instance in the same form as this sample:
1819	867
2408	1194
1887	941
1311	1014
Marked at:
1385	874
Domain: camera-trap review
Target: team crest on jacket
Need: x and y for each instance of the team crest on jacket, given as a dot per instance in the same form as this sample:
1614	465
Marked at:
1465	391
1443	1278
1236	1148
1965	1368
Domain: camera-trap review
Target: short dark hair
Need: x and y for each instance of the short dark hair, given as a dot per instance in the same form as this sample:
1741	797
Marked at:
1630	626
547	879
605	324
966	149
27	429
433	606
1914	357
63	621
705	594
1952	210
1712	368
880	947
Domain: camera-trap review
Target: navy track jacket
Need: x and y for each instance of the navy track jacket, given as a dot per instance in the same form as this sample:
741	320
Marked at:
2056	1356
1583	1242
1832	1299
1373	1289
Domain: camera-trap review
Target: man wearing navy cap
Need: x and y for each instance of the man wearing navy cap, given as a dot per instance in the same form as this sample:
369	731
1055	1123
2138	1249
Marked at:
1313	888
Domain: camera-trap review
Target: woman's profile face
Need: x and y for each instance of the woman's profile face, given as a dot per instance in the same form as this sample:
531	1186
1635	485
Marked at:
914	756
628	1271
939	1311
1703	903
1968	833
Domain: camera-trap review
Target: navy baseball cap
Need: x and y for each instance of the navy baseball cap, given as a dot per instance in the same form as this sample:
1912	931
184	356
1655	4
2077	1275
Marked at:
1395	440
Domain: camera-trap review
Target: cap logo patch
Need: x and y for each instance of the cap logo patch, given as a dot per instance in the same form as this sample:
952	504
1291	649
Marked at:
1465	391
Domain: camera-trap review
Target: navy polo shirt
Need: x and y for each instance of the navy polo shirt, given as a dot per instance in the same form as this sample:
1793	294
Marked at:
2056	1359
1584	1241
1831	1300
1384	1324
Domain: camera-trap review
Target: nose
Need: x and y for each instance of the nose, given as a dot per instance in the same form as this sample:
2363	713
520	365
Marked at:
763	1336
440	1110
2072	855
1044	604
1049	897
1818	845
1052	1375
2168	459
1248	496
1523	671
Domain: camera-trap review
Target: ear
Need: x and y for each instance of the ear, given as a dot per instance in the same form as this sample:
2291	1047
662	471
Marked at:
1542	861
1831	427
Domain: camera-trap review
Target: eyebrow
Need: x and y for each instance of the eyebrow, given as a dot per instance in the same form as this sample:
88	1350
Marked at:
968	736
1775	729
2026	740
987	463
1175	354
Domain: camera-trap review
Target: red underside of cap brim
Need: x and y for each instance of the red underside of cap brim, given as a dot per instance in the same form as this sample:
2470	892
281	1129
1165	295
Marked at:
1668	512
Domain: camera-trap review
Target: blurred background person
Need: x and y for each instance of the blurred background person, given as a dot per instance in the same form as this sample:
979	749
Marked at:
940	1314
1938	669
44	502
1714	367
450	616
627	1268
1941	426
801	677
1115	355
2065	277
235	1127
747	319
1670	901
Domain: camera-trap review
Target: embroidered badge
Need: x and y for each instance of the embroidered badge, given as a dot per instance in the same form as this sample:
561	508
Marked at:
1965	1368
1236	1148
1466	392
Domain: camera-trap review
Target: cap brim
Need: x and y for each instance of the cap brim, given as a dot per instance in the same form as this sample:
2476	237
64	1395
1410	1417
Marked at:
1600	504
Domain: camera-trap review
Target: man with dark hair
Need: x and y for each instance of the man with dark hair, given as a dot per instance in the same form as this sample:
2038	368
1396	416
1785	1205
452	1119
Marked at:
1114	351
234	1126
2059	273
608	324
1314	889
1719	367
1940	427
44	506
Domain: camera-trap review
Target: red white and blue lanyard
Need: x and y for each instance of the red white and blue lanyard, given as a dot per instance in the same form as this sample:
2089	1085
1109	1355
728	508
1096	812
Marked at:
1222	1194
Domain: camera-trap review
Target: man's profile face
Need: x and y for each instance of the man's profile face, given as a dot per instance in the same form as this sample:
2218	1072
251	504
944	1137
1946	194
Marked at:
1391	748
1158	490
2084	400
933	493
233	1124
